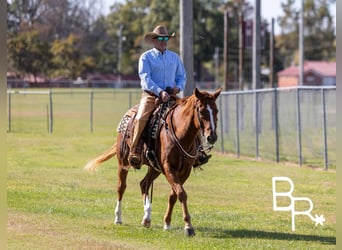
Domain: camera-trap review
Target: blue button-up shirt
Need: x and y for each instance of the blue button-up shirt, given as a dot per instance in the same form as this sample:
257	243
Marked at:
159	70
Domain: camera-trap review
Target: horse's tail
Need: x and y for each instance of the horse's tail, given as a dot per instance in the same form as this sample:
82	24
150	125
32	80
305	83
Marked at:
94	163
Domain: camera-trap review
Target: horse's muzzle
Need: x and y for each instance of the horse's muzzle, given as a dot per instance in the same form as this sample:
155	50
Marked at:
212	138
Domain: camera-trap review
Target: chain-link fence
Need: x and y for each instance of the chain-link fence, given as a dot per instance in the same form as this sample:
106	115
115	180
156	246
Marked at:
285	124
68	110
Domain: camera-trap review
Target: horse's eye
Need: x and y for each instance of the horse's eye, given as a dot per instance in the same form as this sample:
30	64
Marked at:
203	112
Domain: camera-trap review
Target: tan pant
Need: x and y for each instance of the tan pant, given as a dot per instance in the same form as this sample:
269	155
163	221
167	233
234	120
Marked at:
146	108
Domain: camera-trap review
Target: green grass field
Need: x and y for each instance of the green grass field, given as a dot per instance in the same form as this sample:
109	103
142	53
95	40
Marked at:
54	204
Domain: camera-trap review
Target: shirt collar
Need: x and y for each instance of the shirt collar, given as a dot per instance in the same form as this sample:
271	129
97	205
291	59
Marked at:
158	52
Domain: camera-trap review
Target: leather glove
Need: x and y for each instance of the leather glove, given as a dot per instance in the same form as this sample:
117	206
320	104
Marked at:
164	96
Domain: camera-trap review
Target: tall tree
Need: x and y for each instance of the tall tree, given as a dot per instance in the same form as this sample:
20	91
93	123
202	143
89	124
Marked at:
23	14
29	54
208	27
69	60
130	16
52	20
319	32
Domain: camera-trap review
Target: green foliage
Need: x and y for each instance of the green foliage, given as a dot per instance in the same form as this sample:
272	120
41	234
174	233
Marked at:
68	59
96	46
28	53
319	32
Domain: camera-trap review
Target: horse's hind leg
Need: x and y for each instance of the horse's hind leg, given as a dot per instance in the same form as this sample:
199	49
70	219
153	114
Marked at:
121	187
145	185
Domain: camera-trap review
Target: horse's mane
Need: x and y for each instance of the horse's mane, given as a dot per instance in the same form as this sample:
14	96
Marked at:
189	102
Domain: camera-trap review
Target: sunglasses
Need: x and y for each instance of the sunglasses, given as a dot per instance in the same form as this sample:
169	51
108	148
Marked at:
161	38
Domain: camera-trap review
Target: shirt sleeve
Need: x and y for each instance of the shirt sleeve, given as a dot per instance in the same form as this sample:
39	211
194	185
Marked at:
180	77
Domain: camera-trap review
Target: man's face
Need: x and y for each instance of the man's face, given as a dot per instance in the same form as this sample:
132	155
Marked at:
160	43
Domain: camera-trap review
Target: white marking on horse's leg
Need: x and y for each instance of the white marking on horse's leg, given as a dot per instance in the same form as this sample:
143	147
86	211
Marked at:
118	219
167	227
211	118
146	222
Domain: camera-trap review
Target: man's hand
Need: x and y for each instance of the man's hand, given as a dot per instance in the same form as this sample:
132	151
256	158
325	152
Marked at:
176	90
164	96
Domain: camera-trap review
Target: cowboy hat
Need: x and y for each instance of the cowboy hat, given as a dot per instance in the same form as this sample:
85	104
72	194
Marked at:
160	30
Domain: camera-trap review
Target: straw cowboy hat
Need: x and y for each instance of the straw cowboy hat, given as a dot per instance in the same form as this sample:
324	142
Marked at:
160	30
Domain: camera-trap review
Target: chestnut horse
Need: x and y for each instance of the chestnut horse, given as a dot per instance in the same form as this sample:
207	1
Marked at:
176	151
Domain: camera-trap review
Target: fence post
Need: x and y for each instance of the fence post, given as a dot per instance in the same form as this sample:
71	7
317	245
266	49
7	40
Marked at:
324	131
91	110
130	99
221	121
47	118
237	117
276	122
50	113
9	112
256	124
299	129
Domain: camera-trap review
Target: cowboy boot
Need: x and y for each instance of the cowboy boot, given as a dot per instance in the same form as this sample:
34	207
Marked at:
134	157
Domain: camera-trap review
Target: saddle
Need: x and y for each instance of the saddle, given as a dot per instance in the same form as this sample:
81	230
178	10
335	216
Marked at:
150	134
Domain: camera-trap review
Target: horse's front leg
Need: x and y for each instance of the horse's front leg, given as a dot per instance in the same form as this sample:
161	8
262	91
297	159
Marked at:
170	206
188	228
182	197
145	185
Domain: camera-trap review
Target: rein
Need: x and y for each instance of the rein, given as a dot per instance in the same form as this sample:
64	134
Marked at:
175	139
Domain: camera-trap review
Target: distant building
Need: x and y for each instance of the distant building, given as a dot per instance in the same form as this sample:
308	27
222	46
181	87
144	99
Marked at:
315	73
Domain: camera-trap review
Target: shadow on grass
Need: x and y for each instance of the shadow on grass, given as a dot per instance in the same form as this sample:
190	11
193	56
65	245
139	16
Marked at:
244	233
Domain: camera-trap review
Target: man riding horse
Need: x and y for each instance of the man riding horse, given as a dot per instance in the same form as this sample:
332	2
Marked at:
162	74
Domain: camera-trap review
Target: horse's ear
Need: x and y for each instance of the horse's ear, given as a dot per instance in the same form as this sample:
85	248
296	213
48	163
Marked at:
217	92
197	93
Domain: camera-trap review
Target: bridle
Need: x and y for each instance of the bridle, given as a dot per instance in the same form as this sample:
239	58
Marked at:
176	140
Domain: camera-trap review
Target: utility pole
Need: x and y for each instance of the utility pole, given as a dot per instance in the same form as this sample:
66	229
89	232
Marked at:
226	50
217	65
301	44
186	43
256	71
241	47
256	45
271	74
119	54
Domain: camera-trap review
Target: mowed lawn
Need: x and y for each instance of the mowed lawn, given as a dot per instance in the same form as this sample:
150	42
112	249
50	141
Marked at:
54	204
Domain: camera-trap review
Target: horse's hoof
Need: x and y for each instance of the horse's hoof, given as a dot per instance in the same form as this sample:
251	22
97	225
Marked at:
167	227
146	223
118	222
189	231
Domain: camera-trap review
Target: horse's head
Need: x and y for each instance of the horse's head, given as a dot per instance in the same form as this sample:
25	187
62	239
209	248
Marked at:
207	113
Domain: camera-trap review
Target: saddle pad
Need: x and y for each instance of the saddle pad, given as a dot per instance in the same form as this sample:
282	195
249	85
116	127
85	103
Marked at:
126	121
